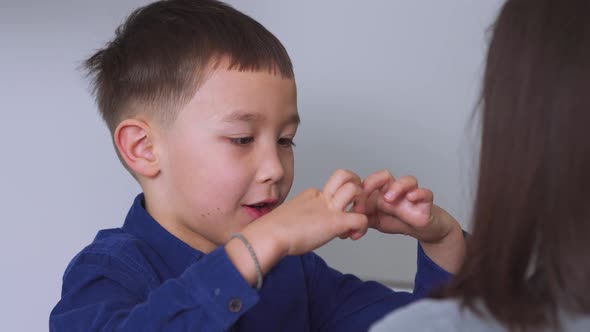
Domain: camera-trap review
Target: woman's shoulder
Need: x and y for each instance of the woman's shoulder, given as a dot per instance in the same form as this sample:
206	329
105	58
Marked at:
449	315
436	315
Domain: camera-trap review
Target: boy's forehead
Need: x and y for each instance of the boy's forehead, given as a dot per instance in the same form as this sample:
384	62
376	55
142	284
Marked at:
244	93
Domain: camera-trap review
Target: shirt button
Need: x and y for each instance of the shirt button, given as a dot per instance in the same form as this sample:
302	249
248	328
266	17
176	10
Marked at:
235	305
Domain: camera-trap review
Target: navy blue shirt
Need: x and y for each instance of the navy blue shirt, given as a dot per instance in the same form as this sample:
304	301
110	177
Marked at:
141	278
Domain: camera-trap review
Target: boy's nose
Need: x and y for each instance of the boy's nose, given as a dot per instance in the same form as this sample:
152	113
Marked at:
271	168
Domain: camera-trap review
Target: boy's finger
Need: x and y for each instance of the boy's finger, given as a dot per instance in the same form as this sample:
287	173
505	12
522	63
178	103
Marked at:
400	187
338	179
387	207
420	195
355	235
360	203
346	235
377	180
355	223
345	195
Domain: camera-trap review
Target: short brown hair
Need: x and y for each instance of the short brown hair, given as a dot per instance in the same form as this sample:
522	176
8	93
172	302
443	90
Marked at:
528	255
160	55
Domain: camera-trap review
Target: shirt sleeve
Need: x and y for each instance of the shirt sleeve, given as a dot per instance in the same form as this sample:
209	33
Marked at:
342	302
102	293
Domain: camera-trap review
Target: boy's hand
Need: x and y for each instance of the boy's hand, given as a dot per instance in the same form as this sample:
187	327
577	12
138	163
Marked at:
315	217
303	224
401	207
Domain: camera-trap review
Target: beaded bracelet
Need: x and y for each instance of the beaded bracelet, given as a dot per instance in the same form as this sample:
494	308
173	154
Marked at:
254	258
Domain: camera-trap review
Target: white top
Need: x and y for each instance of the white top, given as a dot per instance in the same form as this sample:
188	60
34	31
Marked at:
446	315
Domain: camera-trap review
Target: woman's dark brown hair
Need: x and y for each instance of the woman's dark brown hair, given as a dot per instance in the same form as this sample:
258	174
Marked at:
528	256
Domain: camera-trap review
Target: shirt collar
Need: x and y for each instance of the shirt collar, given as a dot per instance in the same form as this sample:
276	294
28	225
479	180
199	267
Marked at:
177	254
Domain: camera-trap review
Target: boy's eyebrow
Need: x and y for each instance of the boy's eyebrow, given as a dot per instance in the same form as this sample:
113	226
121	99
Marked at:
240	116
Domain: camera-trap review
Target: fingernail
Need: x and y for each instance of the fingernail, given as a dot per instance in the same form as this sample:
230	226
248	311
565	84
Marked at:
389	195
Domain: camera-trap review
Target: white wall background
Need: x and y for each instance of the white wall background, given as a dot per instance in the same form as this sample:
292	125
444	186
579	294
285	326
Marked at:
382	84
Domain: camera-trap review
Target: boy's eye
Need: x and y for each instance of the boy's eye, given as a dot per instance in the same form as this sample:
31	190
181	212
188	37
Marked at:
286	142
242	140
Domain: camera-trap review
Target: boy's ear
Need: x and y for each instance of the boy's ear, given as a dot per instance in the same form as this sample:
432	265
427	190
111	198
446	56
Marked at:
135	141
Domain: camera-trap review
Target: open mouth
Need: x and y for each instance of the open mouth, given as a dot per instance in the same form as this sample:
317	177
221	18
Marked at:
259	209
260	206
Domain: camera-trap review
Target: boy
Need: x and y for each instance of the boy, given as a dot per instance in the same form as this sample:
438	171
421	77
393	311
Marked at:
201	102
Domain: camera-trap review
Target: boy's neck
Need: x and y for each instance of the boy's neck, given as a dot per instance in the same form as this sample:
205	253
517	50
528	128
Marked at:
169	222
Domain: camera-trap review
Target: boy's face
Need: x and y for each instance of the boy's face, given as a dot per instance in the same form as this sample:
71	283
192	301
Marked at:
228	157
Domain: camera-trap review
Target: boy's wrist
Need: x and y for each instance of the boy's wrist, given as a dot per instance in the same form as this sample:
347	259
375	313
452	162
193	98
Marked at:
448	250
439	228
269	251
238	257
268	246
